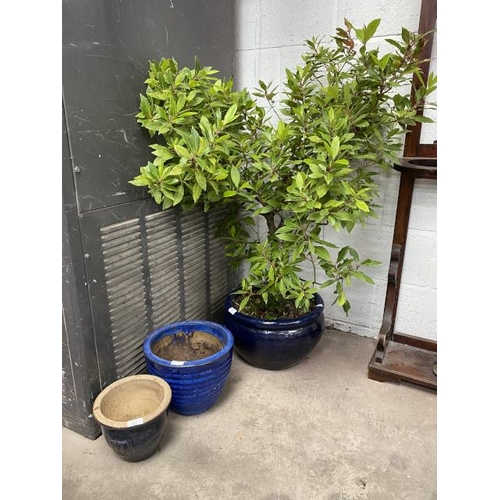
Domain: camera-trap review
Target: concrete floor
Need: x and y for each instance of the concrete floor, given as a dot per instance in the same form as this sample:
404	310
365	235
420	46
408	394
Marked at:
318	431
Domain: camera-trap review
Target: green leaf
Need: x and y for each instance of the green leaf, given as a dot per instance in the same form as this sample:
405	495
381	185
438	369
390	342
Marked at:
299	180
385	60
228	194
175	170
282	130
145	107
200	179
179	195
333	203
298	300
360	33
354	253
322	190
140	181
333	91
162	152
166	203
265	209
196	192
342	253
343	172
423	119
157	196
270	273
395	44
363	277
286	236
181	102
263	85
285	229
322	253
235	176
230	114
181	151
243	303
371	29
346	307
362	205
206	128
369	262
333	148
405	35
341	298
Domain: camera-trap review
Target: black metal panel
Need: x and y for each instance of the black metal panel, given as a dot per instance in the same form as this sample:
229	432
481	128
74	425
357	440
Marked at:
80	377
118	280
103	307
146	268
106	48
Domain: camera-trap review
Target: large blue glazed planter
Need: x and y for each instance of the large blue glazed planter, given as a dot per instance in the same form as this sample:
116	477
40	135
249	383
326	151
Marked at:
275	344
197	384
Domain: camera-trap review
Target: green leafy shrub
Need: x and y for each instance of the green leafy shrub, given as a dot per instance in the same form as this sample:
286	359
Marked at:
309	162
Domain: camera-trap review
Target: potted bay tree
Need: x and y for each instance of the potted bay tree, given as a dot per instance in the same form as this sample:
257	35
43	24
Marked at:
306	159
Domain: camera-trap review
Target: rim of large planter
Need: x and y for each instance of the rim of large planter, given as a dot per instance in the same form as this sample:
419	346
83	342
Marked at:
275	324
159	333
151	382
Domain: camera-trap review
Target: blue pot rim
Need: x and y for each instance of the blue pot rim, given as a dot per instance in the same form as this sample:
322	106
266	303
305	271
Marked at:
275	323
172	328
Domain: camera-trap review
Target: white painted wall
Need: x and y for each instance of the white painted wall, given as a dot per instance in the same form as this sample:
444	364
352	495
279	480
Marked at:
270	36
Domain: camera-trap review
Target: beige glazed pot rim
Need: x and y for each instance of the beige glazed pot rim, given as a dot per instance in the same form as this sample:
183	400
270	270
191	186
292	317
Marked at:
132	401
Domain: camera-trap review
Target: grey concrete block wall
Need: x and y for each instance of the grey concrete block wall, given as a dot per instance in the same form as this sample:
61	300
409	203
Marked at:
270	36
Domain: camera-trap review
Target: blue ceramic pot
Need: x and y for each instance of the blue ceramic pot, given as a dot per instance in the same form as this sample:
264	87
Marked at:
132	412
275	344
197	384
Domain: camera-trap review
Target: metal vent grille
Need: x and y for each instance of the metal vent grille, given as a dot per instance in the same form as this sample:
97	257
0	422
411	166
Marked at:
218	263
158	268
195	278
163	258
124	271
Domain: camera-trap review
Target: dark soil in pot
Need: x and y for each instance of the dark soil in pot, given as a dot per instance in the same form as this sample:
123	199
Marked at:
275	344
272	310
196	383
187	346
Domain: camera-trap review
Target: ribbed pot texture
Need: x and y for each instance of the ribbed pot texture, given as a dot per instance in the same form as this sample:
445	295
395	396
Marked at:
196	385
275	344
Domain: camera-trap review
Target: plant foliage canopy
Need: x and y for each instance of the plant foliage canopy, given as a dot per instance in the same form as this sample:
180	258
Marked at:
299	159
